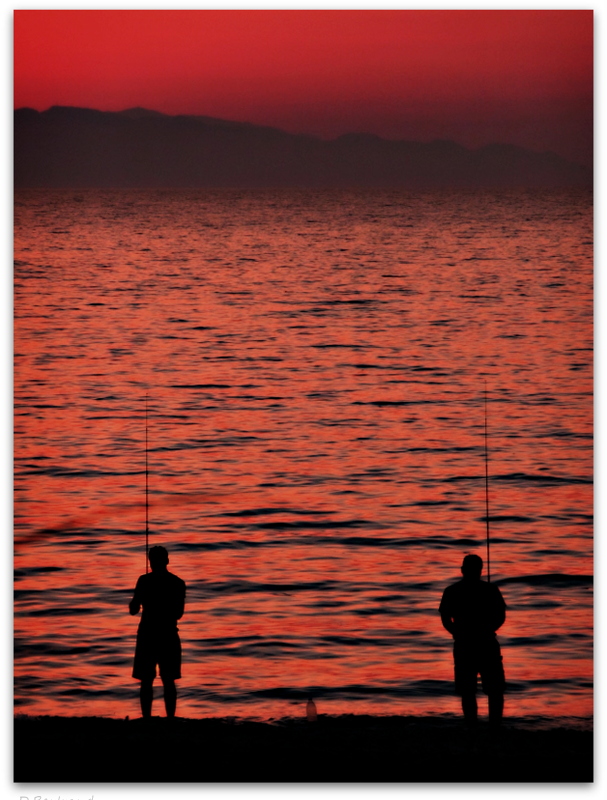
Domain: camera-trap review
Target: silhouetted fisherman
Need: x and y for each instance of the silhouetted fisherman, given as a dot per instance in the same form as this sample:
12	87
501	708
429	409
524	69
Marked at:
162	596
472	610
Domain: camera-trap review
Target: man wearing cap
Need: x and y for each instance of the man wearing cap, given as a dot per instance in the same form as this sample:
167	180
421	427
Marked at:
472	611
162	596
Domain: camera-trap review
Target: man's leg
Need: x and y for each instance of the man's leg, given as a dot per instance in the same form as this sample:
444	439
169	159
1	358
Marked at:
496	707
470	708
466	671
146	694
170	696
494	683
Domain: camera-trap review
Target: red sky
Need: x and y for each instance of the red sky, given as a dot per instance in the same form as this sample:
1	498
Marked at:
471	76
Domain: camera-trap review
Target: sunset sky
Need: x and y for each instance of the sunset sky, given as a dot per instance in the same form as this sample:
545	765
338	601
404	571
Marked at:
472	76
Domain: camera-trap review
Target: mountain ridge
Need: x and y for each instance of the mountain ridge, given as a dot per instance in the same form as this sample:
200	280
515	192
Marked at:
75	147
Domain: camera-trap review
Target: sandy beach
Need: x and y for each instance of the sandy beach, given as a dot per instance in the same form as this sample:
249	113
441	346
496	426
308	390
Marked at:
344	749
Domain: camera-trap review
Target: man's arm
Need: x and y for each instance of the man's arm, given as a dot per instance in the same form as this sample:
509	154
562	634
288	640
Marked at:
180	602
499	609
135	603
447	623
445	614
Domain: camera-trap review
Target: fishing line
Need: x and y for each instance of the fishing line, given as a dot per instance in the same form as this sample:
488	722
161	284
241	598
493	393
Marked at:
487	489
147	537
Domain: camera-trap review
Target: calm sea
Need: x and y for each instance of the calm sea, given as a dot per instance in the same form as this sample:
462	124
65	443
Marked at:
315	366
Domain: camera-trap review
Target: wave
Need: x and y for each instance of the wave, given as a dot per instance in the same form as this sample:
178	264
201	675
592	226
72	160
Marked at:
519	478
429	542
31	572
25	649
416	688
397	403
553	580
346	590
541	640
562	684
57	611
66	472
255	512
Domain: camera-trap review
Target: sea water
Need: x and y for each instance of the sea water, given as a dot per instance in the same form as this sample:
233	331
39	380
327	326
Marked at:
315	367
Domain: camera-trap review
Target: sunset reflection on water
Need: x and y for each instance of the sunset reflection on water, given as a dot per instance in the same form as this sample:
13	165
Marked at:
315	365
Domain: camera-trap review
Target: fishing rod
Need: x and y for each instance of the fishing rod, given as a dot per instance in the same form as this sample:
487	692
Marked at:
487	489
146	485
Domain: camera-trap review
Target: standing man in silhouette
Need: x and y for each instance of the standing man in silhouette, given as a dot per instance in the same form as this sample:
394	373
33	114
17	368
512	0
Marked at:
472	611
162	596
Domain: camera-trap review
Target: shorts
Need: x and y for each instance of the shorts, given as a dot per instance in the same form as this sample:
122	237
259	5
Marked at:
472	659
154	649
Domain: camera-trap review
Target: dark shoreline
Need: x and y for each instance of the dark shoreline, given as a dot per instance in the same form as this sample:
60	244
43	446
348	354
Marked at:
343	749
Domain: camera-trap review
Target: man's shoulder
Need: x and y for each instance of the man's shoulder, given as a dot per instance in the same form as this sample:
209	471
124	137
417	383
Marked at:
176	579
470	588
451	591
495	589
454	588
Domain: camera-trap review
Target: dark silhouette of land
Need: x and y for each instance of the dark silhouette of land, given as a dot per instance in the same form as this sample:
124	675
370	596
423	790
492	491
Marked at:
81	148
344	749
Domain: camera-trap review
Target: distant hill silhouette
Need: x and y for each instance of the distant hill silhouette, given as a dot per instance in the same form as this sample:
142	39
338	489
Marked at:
81	147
